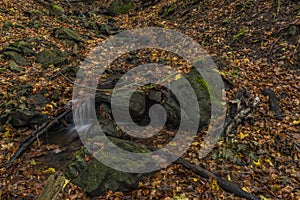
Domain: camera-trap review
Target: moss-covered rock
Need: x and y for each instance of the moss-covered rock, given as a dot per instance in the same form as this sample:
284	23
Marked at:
15	67
95	178
18	58
49	57
22	47
167	10
56	10
67	34
118	7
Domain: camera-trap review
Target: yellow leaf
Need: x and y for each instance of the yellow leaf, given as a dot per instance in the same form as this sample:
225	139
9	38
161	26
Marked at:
49	106
278	154
257	163
178	76
50	169
268	160
222	73
195	143
195	179
242	135
293	170
296	122
228	177
214	185
6	134
175	58
33	162
245	189
264	198
173	144
66	182
180	197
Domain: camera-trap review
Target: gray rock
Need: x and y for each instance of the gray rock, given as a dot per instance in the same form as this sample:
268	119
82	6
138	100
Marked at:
38	100
15	67
96	178
155	96
25	118
49	57
55	10
2	130
18	58
67	34
118	7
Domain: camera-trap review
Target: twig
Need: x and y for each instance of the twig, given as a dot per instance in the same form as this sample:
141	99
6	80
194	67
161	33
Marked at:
204	173
33	137
224	184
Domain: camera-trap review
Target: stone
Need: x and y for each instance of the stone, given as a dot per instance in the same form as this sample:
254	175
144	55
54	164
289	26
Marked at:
95	178
68	34
56	10
18	58
118	7
38	100
21	118
48	57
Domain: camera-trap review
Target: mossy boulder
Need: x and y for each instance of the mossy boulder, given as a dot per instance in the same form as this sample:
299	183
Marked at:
55	10
67	34
167	10
22	47
18	51
17	57
49	57
21	118
95	178
118	7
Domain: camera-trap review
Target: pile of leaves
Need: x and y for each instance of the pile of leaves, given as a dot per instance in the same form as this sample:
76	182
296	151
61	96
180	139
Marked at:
255	45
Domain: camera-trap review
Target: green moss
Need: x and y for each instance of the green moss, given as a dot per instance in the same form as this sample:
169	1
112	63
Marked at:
211	91
167	10
56	10
35	12
124	9
203	83
241	33
120	7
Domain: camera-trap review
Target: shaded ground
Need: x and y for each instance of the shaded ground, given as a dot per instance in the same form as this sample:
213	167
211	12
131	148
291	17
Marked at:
254	43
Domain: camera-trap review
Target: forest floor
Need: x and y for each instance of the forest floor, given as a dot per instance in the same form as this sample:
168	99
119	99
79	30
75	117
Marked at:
255	45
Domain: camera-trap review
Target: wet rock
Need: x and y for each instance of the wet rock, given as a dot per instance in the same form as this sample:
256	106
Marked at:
155	96
140	103
201	90
24	118
137	104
